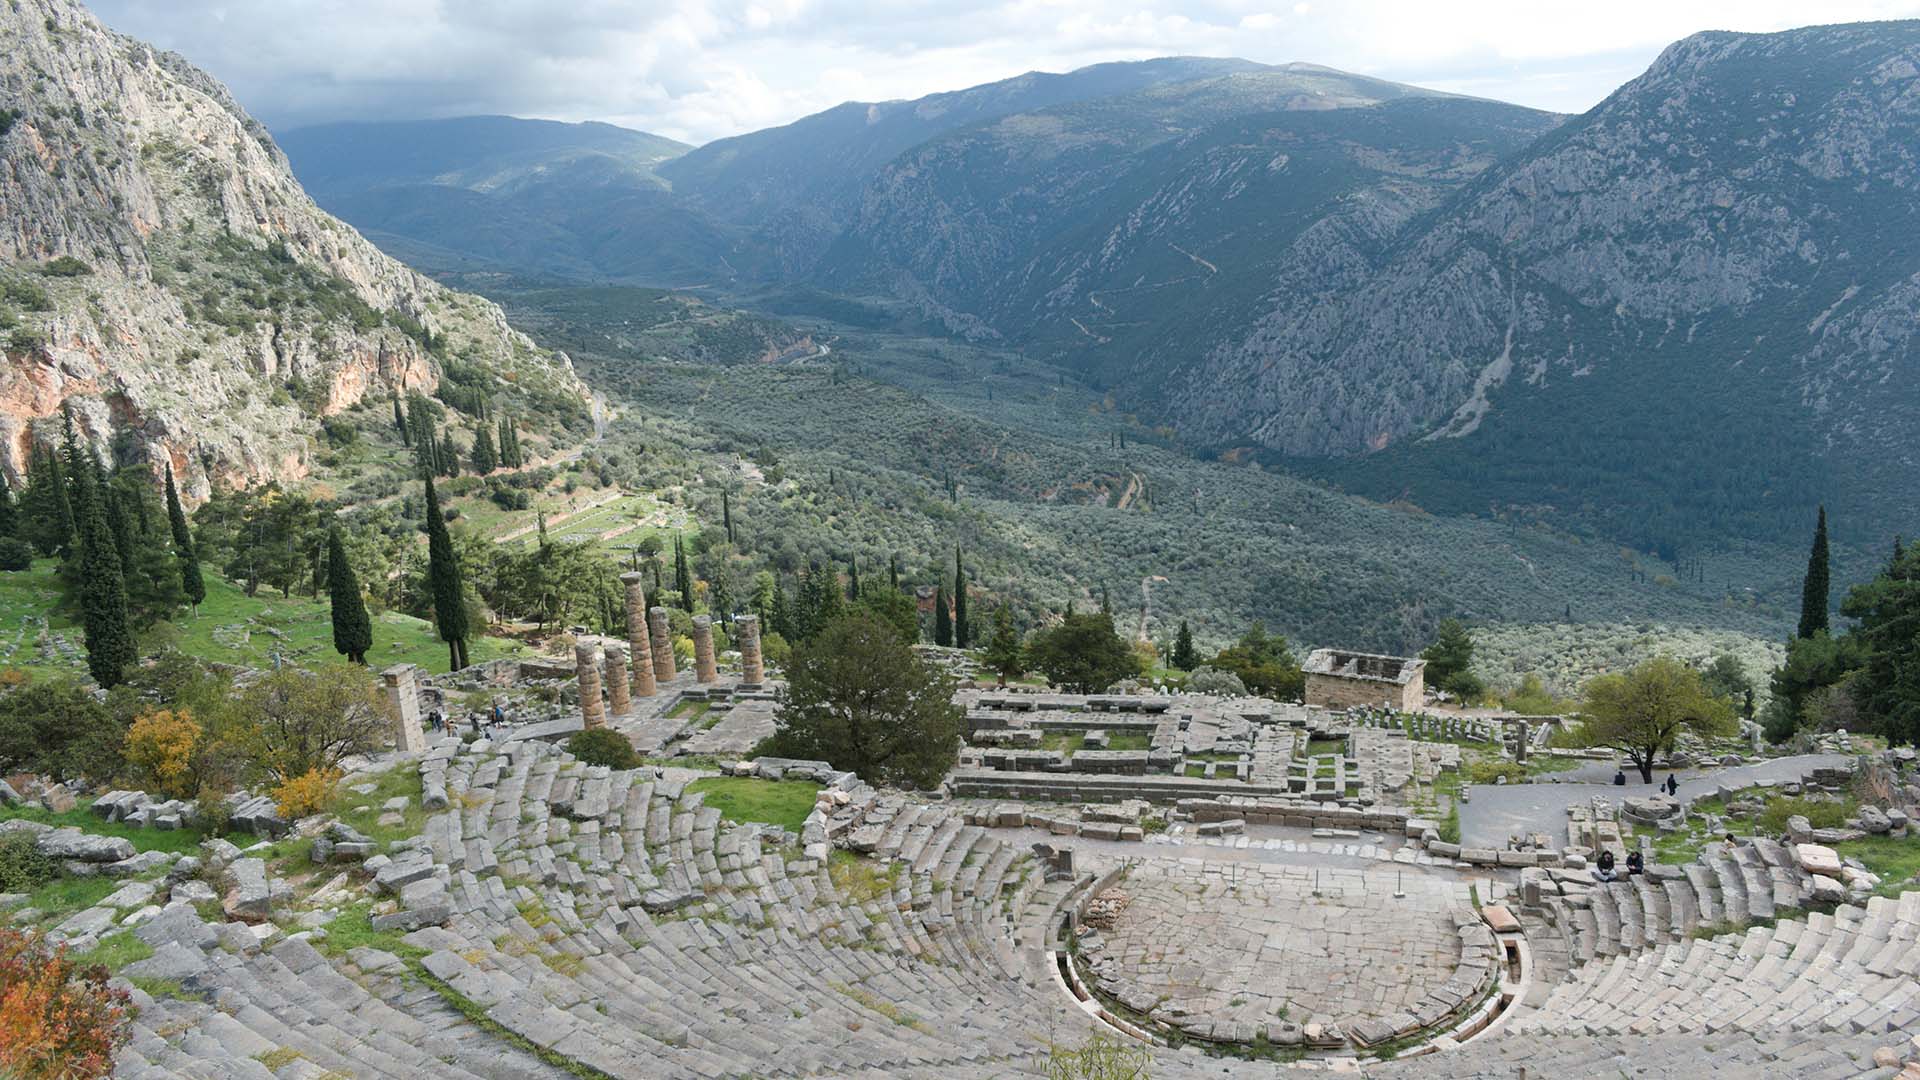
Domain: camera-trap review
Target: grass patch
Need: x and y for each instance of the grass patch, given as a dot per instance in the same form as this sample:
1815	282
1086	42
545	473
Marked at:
353	929
689	709
861	880
58	899
1895	862
115	951
785	803
1320	747
1130	740
275	1060
477	1015
363	811
1067	742
179	841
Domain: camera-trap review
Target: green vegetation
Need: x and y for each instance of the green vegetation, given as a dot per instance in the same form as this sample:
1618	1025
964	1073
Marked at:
785	803
604	746
1643	711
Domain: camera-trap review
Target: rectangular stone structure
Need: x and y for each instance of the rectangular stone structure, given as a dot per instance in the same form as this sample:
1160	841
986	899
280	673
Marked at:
642	653
586	663
403	694
619	691
746	632
662	644
704	668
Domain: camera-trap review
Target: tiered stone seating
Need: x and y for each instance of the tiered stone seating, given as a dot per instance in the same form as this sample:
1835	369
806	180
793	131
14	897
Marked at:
616	919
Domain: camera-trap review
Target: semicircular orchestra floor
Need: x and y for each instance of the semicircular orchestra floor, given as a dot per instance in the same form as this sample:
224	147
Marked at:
1230	951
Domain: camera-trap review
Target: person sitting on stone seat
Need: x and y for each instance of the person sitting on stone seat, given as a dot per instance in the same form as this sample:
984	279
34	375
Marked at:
1636	863
1604	872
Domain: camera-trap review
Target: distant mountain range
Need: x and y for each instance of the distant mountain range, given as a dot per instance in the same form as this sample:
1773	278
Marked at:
1678	320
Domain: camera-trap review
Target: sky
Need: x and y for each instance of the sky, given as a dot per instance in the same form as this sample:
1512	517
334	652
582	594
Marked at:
698	70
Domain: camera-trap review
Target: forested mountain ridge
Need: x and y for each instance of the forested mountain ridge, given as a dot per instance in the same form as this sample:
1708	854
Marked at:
1717	259
162	272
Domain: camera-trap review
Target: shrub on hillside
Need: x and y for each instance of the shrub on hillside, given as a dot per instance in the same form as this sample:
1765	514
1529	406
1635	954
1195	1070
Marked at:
55	1019
601	746
309	793
22	867
1206	680
15	554
160	746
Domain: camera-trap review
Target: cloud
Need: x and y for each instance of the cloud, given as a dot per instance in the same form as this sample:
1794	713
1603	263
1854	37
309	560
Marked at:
700	69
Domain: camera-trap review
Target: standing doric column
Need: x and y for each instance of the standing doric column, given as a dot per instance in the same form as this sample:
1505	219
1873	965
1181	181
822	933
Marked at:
704	669
619	695
663	670
642	655
746	632
586	663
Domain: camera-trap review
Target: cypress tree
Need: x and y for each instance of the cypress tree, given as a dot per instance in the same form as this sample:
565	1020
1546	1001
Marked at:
1184	657
893	572
400	421
1106	604
779	612
425	454
9	519
1814	597
682	574
352	629
942	622
962	631
103	598
183	548
443	582
120	526
853	577
484	459
726	512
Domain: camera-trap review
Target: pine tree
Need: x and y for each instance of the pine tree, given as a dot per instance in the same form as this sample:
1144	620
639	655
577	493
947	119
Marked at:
484	459
120	526
1814	596
1184	657
682	574
447	457
1003	654
942	622
183	547
962	628
352	629
103	595
780	611
443	583
726	512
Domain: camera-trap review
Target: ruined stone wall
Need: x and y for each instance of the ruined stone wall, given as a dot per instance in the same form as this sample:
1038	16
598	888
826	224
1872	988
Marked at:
1337	692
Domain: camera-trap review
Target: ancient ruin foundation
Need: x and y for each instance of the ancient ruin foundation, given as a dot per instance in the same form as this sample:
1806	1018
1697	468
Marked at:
704	669
663	669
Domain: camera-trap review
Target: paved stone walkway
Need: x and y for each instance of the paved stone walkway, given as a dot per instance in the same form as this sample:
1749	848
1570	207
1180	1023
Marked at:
1252	943
1497	811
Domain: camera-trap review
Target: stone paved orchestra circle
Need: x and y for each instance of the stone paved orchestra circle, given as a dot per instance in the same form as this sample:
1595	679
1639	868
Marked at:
1240	942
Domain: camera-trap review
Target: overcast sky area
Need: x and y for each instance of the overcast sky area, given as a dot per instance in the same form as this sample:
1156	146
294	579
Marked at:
697	70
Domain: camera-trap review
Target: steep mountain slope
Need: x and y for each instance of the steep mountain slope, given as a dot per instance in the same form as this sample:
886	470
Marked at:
1097	230
795	187
161	269
575	200
1690	312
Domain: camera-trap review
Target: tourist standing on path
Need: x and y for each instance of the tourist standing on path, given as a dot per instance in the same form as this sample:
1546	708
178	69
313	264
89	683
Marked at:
1673	786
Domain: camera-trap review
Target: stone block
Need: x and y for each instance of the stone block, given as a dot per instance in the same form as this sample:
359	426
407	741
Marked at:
1815	859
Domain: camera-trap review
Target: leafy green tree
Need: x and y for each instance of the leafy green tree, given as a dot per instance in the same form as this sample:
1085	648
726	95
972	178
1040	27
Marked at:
57	727
894	608
191	584
1184	657
1726	678
1450	662
1083	655
1812	664
818	605
1004	655
444	583
962	626
604	746
942	622
1265	663
297	720
352	629
1887	610
858	697
1814	595
1642	712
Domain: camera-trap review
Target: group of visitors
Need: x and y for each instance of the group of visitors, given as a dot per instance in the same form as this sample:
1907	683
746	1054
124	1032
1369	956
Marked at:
485	725
1604	866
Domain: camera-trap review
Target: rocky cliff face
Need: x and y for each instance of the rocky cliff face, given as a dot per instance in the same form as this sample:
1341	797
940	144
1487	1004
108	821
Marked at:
162	271
1740	206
